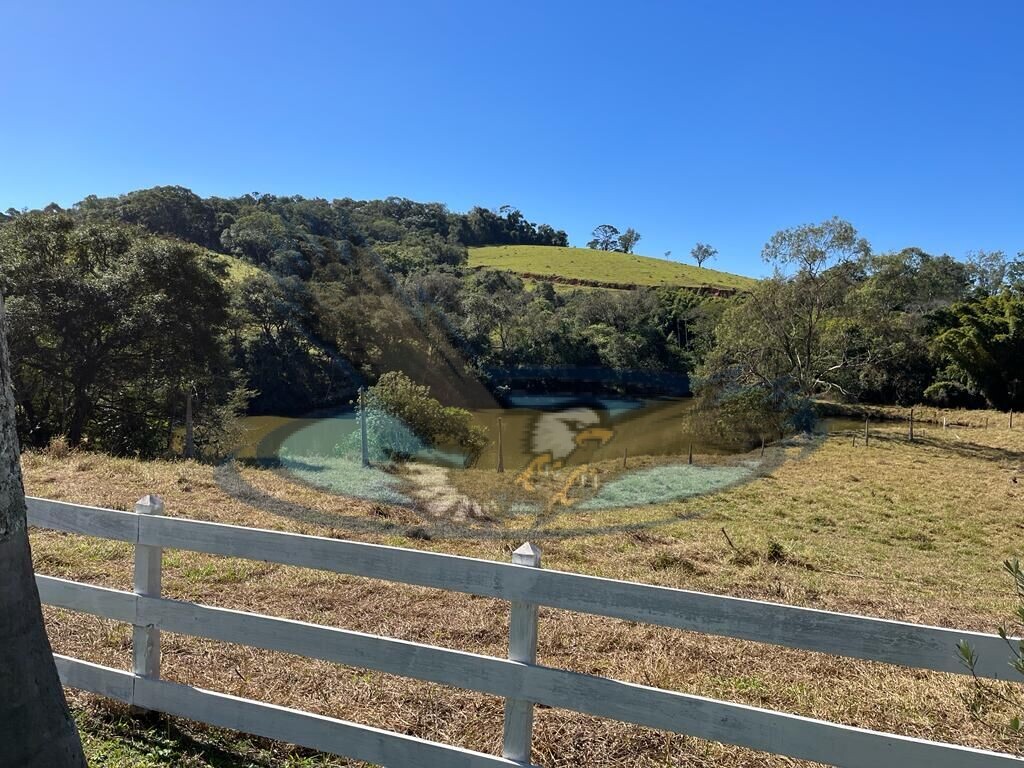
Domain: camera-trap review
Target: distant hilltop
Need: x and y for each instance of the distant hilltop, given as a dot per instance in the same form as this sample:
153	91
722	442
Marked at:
584	267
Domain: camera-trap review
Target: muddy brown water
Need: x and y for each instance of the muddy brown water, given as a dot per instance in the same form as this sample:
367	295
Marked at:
574	431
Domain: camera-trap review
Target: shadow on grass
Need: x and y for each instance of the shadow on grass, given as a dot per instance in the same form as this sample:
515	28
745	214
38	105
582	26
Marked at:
961	448
231	481
152	739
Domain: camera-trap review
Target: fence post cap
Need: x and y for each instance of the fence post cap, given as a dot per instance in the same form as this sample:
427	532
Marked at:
527	554
150	504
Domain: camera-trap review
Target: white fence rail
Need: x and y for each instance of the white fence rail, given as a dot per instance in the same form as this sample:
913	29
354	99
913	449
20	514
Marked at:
518	679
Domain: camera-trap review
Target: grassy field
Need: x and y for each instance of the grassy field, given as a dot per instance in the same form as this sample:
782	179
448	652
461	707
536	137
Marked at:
910	531
238	269
601	266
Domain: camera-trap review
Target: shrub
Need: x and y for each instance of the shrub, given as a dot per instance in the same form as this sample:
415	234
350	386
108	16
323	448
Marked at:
402	416
58	447
743	415
952	394
388	438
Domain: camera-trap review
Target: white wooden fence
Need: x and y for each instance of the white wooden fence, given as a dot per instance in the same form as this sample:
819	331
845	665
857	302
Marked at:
519	679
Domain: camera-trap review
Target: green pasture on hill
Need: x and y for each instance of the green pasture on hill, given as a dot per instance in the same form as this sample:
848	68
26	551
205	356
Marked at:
601	266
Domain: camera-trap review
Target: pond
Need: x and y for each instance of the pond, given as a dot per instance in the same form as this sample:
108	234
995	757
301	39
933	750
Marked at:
560	453
573	430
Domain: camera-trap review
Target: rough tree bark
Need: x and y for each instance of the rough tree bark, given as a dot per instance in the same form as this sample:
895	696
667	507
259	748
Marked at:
36	729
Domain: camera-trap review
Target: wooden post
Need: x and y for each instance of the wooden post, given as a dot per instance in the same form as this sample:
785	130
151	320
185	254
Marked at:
911	425
689	457
1011	418
865	431
148	562
762	445
522	647
625	457
190	443
365	448
501	451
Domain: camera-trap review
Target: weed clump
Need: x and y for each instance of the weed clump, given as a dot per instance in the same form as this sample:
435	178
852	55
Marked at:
666	559
775	553
419	533
58	447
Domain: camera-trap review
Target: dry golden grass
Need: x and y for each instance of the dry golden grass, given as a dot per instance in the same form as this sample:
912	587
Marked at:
997	421
908	531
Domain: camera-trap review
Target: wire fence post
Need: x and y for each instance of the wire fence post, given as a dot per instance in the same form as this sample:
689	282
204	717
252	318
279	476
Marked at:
501	448
522	647
148	563
363	443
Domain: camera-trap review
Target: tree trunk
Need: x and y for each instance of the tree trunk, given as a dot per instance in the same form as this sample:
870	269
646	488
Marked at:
79	415
36	729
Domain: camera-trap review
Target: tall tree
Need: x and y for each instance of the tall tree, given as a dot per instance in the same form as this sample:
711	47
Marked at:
994	271
790	332
889	314
701	252
36	729
605	238
628	240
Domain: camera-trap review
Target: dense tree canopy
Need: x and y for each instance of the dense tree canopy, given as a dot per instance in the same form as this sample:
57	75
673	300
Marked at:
161	210
108	328
837	320
128	306
982	343
123	307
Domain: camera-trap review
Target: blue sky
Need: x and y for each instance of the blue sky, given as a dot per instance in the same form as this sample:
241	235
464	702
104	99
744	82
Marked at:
712	121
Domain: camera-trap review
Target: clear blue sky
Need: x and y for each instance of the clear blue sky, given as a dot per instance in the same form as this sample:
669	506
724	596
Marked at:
712	121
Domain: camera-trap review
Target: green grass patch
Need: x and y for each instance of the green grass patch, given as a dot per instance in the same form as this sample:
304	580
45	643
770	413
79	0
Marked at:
346	476
113	739
602	266
238	269
660	485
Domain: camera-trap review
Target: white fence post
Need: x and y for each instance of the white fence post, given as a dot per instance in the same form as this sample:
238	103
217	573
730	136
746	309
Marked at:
148	561
522	646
